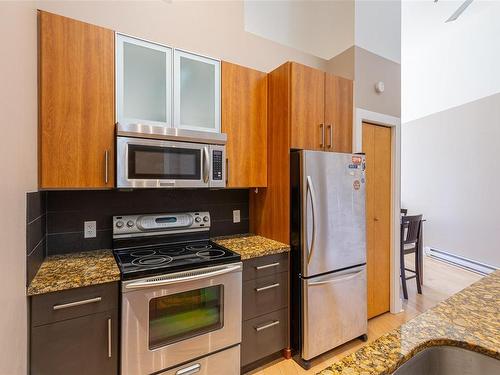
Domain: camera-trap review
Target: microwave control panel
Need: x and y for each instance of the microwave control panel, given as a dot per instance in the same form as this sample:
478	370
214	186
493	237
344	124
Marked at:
217	165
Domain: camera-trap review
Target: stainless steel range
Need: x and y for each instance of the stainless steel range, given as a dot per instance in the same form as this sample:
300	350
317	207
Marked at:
181	296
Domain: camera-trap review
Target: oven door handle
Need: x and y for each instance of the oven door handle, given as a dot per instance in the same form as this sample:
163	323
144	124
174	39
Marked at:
183	277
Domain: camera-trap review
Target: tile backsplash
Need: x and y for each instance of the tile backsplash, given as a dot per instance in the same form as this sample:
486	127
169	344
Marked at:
36	239
67	211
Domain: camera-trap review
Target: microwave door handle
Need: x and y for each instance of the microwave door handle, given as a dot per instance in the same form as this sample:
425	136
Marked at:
310	190
174	280
206	164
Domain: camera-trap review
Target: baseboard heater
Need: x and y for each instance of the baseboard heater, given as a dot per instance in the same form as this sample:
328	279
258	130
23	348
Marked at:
459	261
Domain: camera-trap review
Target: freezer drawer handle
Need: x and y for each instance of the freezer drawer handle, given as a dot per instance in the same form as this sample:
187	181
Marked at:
267	287
77	303
189	370
258	268
266	326
337	279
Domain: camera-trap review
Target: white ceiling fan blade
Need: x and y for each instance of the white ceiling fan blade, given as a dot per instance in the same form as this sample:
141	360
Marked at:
460	10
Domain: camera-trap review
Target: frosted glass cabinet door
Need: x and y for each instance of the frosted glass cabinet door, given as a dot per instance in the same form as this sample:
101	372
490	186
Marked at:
143	82
196	92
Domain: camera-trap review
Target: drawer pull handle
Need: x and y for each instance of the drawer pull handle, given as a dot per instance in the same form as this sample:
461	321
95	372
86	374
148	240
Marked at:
189	370
77	303
267	266
267	287
266	326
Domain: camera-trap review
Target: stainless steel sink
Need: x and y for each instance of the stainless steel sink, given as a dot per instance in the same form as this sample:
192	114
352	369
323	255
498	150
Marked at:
447	360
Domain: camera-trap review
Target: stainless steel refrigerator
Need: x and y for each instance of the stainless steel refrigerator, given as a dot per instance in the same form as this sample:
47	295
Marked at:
328	239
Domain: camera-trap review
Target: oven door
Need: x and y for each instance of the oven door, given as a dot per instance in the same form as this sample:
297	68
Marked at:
172	319
148	163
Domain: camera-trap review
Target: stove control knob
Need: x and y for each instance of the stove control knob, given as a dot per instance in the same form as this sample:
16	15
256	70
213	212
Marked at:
130	223
205	219
197	219
119	224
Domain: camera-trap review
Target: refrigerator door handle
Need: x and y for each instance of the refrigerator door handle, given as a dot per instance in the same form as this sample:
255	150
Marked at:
335	279
310	190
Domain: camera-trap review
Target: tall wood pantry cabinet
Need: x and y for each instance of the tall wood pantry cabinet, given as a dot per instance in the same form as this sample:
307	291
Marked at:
307	109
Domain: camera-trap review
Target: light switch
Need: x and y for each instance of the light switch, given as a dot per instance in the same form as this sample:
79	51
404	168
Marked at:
236	216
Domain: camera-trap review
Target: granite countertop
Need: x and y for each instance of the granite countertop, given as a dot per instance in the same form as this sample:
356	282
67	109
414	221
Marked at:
252	246
470	319
61	272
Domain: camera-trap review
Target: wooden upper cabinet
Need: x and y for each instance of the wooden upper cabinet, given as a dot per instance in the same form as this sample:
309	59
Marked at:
76	104
244	120
307	96
338	113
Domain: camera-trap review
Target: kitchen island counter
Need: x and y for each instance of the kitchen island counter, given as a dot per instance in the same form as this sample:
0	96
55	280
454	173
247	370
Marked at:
252	246
62	272
469	319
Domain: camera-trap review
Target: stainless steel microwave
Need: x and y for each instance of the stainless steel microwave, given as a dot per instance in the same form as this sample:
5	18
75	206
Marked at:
150	156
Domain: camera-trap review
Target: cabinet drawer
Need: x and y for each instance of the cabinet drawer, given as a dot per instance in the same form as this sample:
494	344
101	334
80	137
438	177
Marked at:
264	295
226	362
264	266
85	345
68	304
264	336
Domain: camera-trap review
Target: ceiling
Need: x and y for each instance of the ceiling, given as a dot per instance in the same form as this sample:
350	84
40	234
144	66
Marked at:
321	28
445	65
327	28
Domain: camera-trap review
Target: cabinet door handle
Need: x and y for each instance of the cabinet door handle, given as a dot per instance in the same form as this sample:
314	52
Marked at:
106	166
267	287
266	326
189	370
322	130
109	338
330	129
77	303
258	268
227	171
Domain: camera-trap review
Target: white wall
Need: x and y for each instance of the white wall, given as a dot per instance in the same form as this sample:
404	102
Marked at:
451	132
321	28
18	147
378	27
450	174
448	64
212	28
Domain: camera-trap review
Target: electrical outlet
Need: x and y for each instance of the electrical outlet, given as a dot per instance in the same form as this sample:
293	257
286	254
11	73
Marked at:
89	229
236	216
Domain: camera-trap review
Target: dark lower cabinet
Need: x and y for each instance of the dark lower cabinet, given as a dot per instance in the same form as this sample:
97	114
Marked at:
86	343
264	336
265	310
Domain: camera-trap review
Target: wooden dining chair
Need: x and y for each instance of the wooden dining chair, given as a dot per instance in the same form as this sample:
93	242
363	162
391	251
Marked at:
410	237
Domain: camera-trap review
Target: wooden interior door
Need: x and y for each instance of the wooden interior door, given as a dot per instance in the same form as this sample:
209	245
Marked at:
244	120
338	113
307	96
76	104
377	147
